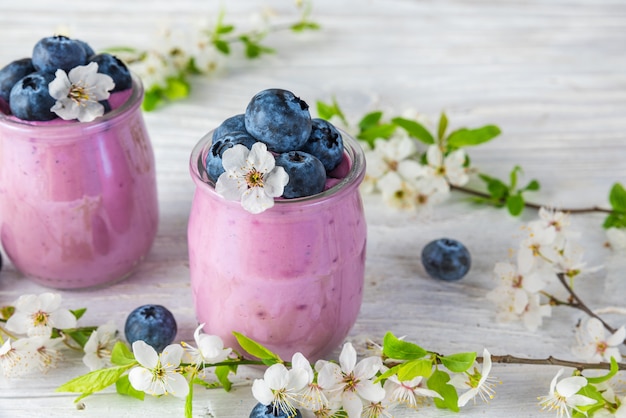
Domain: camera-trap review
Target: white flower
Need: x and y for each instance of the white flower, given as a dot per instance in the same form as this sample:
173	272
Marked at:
563	395
617	238
280	387
78	92
595	346
312	396
158	373
393	155
621	411
478	383
152	68
352	380
451	166
99	346
252	177
16	357
533	313
210	349
396	191
37	315
407	391
45	352
536	248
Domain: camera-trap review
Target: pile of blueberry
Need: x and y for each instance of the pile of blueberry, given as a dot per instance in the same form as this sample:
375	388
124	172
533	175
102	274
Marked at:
308	149
24	82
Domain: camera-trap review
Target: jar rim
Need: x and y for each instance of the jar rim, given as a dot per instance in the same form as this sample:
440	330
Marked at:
353	179
132	102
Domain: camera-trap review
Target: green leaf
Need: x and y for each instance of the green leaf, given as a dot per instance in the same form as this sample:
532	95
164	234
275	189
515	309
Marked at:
93	381
78	313
123	387
176	88
615	220
468	137
222	46
515	204
224	29
438	382
327	111
459	362
81	335
532	186
221	372
612	372
152	98
7	311
617	197
592	392
388	373
513	177
415	129
396	348
253	48
302	26
496	188
256	349
122	355
375	132
414	368
443	125
370	120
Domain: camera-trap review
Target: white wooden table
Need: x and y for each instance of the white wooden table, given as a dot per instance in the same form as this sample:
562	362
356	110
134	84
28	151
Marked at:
551	74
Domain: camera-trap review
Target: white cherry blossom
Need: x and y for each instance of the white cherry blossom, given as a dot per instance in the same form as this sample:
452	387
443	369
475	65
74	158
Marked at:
99	346
595	346
408	391
252	177
158	373
563	395
478	383
79	92
451	167
280	387
210	349
16	357
37	315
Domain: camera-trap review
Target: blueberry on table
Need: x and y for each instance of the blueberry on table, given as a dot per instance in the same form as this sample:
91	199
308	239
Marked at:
214	166
232	124
153	324
446	259
325	143
30	98
279	119
307	175
270	411
12	73
115	68
58	52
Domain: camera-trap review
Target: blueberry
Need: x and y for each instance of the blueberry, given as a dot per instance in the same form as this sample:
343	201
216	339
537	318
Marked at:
307	175
30	98
279	119
58	52
325	143
232	124
269	411
214	165
154	324
12	73
88	49
446	259
115	68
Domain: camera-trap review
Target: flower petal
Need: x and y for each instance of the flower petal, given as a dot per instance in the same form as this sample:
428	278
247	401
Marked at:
275	182
254	200
347	358
178	385
60	86
371	391
262	392
145	354
140	378
233	159
171	355
368	367
62	319
352	404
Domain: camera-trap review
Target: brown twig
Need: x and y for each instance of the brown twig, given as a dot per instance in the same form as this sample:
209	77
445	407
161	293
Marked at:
551	361
531	205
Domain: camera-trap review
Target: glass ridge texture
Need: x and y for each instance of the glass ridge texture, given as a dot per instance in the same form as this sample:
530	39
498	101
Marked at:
290	278
78	200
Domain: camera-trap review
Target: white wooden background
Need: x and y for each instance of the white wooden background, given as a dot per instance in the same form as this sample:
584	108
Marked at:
551	74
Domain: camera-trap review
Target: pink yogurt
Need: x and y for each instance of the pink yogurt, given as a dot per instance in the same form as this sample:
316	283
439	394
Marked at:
78	200
290	278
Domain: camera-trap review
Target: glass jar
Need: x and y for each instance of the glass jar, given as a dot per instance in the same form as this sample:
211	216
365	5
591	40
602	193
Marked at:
290	278
78	200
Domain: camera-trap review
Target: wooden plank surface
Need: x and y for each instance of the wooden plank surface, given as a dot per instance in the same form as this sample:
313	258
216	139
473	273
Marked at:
551	74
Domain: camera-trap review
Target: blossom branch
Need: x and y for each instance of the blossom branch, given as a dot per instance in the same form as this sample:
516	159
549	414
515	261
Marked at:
550	361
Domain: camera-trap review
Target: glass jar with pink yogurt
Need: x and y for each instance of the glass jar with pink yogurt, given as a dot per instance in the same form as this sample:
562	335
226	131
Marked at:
290	278
78	200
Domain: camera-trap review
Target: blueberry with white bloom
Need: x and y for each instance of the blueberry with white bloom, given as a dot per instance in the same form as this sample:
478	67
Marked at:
58	52
153	324
232	124
325	143
30	98
12	73
279	119
446	259
307	175
115	68
214	164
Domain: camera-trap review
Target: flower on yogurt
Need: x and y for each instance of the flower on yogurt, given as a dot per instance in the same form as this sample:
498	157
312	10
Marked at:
478	383
37	315
251	176
564	395
158	374
79	92
99	346
280	387
210	349
595	346
352	381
